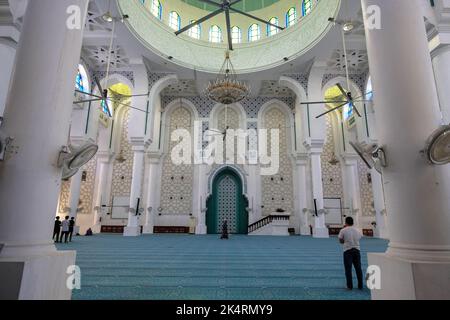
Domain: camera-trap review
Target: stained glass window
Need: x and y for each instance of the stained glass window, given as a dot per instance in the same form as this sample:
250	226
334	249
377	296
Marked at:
254	32
196	31
81	81
271	30
306	7
236	35
291	17
156	9
174	20
215	34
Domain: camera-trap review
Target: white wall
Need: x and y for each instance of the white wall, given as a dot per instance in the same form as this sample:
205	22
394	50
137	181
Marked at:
7	56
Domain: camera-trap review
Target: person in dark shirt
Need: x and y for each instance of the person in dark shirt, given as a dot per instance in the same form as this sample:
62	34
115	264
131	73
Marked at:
224	230
56	229
71	226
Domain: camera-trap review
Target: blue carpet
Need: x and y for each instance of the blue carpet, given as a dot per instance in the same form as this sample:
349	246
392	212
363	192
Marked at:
172	267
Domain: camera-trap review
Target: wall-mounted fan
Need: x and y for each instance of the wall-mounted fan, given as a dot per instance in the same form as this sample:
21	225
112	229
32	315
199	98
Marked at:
72	158
373	155
4	142
347	97
437	148
225	6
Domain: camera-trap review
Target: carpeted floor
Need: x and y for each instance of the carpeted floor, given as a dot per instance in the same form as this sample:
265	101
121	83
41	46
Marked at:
172	267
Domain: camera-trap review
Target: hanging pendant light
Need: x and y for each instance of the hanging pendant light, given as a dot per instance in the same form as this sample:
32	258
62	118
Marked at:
226	89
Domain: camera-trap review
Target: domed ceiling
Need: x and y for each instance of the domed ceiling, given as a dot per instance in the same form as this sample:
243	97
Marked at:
245	5
247	57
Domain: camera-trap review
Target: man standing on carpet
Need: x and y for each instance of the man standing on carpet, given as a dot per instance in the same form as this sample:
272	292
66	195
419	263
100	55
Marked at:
350	237
224	230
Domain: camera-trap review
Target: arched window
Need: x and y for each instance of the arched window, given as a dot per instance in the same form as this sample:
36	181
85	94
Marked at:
81	81
306	7
174	20
215	34
105	108
271	30
254	32
369	90
291	17
236	35
156	9
196	31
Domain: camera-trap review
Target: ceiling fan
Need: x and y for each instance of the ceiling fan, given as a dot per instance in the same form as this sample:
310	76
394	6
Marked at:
347	97
226	6
225	131
104	93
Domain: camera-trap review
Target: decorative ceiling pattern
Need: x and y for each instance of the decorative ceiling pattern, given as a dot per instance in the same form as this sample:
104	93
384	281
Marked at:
99	56
272	88
182	88
357	61
94	21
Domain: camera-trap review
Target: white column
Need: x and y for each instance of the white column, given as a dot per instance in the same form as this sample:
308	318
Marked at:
153	191
201	213
74	196
100	194
379	206
417	263
319	230
352	188
133	228
37	116
441	65
300	197
254	193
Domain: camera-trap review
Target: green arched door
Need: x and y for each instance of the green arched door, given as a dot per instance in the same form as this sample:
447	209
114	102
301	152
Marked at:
227	203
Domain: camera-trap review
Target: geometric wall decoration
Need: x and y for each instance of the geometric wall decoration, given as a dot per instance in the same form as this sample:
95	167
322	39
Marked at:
277	190
177	180
331	173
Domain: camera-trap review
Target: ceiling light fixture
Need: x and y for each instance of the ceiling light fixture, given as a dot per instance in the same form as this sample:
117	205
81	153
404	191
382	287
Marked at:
348	26
226	89
108	17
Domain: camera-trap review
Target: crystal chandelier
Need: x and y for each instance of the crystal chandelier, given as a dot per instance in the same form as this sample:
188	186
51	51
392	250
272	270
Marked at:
226	89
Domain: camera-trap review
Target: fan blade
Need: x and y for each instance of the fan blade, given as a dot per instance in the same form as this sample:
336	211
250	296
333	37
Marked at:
235	2
209	16
324	102
128	96
216	130
212	3
343	91
256	18
128	106
227	19
100	89
364	95
89	94
331	110
352	103
84	101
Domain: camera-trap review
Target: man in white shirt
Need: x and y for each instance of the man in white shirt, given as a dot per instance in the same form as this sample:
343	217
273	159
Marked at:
349	237
65	229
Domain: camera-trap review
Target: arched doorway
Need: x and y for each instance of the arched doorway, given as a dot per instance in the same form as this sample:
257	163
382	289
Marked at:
227	202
